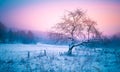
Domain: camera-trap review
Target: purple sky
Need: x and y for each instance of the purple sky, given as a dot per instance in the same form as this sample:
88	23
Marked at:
43	14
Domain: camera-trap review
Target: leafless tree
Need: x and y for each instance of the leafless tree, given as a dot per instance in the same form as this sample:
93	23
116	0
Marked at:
74	26
92	31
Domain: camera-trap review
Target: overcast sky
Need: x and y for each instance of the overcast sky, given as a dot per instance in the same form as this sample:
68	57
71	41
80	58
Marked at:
43	14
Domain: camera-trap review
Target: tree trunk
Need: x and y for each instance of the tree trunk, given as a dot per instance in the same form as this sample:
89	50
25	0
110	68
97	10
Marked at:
88	35
70	50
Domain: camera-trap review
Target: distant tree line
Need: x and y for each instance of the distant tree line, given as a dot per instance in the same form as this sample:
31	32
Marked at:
21	36
11	36
112	41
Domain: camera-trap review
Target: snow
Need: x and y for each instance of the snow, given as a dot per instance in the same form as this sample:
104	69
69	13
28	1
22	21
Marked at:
51	58
31	47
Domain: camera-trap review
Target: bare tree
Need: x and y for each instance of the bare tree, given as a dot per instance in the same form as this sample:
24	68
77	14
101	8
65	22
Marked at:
92	31
74	26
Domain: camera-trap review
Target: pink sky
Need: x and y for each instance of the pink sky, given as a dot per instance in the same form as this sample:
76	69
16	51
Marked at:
42	16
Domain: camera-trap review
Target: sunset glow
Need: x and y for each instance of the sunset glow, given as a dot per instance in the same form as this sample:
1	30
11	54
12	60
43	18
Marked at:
42	15
59	35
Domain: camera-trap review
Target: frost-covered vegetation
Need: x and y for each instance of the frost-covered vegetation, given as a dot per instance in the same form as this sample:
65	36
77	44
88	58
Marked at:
52	58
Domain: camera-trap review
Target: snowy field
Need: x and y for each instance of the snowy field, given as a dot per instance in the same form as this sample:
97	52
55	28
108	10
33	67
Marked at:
52	58
9	50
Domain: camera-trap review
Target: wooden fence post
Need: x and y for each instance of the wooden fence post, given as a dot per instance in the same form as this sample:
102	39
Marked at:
28	55
45	52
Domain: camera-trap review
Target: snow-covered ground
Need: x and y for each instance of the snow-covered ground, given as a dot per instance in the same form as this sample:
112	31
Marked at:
51	58
21	50
31	47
